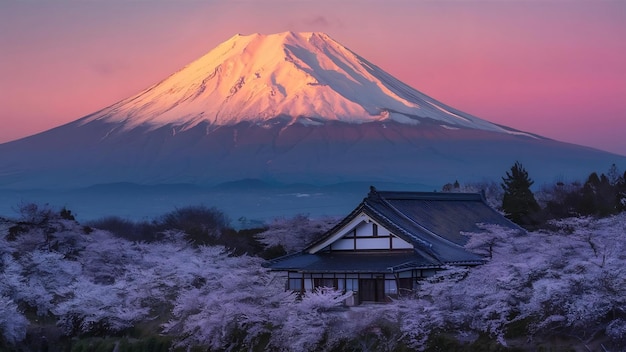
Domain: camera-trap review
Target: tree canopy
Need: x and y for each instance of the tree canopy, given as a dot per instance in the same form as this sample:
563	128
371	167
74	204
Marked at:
535	287
518	203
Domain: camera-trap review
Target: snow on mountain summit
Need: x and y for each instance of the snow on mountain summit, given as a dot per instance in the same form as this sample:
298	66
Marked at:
287	108
306	77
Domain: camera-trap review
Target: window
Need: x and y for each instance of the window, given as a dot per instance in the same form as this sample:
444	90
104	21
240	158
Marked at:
391	287
374	230
294	285
325	282
352	285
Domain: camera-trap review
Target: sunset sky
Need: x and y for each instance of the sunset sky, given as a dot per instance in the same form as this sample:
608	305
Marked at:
555	68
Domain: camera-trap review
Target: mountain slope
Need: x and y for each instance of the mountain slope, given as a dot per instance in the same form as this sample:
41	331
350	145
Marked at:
284	108
329	153
305	77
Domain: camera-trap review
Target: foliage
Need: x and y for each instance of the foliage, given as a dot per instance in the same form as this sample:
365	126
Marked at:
600	195
13	323
233	294
518	203
492	191
124	344
133	231
563	282
296	233
201	224
566	281
242	241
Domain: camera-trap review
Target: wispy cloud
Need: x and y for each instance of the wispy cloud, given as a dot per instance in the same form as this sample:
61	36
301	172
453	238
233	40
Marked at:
317	21
106	68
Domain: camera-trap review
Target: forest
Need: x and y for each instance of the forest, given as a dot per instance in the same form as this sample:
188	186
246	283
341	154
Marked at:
188	281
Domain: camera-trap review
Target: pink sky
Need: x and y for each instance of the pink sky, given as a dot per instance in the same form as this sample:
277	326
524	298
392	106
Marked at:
555	68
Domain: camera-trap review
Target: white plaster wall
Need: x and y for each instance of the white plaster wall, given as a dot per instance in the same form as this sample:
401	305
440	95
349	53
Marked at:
372	243
344	244
364	229
399	243
383	231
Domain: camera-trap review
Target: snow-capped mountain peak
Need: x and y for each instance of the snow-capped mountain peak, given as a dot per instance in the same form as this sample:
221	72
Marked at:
306	77
283	108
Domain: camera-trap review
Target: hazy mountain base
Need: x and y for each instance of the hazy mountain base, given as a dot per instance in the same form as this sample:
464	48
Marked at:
248	203
285	154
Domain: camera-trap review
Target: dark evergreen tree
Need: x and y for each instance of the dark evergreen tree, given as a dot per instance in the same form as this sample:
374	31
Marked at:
614	175
621	193
599	196
519	203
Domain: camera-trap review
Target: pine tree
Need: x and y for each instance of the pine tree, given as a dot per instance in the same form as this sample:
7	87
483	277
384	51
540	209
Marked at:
519	203
599	196
613	175
621	193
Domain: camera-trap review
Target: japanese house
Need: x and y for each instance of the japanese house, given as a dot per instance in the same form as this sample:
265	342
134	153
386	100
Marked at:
389	242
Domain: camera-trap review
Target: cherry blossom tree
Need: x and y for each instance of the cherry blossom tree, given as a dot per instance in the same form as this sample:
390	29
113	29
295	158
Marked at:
566	281
294	234
13	324
233	296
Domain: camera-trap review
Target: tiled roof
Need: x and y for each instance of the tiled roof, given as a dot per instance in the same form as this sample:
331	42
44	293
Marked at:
432	222
444	214
335	262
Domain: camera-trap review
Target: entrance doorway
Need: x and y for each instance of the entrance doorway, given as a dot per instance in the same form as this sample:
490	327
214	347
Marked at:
372	290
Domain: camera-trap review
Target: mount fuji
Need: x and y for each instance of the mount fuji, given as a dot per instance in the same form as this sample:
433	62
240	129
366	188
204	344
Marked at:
285	108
